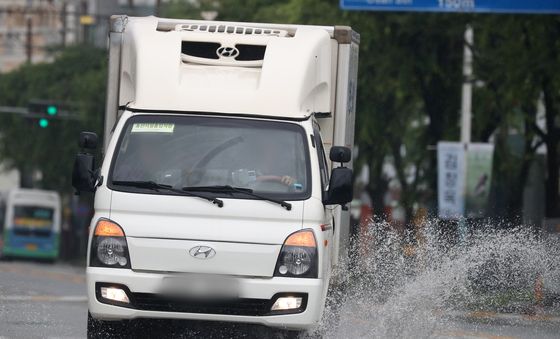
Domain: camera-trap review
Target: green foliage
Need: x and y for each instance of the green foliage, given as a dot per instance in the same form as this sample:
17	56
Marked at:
408	87
76	77
409	83
409	93
517	58
408	96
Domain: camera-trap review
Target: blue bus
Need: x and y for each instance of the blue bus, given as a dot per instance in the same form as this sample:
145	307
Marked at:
30	224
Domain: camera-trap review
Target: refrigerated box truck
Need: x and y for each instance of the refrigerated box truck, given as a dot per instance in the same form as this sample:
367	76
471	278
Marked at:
215	199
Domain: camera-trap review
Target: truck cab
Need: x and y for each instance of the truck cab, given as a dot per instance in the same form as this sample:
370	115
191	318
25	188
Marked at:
215	199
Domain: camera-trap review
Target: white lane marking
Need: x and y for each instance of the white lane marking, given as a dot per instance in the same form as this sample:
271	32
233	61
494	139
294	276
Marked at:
51	298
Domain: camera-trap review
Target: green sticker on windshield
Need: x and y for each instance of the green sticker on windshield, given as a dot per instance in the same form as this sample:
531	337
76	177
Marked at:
152	128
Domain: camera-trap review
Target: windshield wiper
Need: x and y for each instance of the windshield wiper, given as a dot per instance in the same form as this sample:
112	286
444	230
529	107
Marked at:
156	187
231	189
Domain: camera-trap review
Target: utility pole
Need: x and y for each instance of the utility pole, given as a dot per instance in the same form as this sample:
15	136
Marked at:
158	7
63	14
29	39
83	11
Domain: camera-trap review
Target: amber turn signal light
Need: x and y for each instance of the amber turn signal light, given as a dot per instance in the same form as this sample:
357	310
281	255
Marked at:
107	228
302	238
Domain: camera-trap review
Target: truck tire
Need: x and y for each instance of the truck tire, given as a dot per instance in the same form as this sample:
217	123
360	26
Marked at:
105	329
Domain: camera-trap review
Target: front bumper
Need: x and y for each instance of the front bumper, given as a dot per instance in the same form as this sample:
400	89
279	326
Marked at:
144	283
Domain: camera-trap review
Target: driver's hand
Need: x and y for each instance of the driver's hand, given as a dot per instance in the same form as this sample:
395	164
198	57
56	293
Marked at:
287	180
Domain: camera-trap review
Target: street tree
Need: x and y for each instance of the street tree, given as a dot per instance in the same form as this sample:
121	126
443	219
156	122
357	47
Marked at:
77	77
516	61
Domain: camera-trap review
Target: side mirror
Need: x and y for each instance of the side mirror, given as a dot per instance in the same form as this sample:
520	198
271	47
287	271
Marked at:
340	187
340	154
84	176
88	140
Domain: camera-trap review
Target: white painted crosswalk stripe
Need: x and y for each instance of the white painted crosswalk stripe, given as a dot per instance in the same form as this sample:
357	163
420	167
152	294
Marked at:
43	298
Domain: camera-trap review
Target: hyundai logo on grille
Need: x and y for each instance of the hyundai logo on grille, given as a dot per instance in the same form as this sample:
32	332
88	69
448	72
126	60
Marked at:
202	252
227	52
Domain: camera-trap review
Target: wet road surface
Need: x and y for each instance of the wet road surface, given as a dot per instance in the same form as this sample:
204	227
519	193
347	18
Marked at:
41	300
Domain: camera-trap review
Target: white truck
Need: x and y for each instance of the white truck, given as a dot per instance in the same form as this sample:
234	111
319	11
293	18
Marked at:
215	200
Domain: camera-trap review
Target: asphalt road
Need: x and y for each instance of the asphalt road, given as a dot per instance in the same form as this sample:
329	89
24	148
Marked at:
40	300
502	327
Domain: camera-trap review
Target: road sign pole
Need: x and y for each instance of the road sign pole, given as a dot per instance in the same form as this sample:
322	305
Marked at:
466	114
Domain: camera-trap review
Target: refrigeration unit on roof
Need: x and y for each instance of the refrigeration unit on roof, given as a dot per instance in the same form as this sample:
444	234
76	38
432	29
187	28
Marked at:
225	45
264	71
231	29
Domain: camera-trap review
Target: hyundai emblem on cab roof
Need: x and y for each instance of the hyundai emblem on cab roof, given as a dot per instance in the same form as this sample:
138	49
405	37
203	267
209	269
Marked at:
227	52
202	252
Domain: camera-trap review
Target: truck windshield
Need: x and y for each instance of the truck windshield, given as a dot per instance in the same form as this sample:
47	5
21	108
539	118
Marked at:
205	153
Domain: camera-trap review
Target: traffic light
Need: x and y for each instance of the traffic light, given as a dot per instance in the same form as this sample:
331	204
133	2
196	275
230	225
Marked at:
52	110
41	111
43	123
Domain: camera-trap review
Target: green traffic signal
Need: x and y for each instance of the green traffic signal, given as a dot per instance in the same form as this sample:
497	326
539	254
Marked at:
52	110
43	123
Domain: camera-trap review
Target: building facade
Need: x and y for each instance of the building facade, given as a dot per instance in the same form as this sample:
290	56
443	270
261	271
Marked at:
32	30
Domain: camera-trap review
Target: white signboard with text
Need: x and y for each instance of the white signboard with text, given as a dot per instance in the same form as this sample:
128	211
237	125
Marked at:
451	180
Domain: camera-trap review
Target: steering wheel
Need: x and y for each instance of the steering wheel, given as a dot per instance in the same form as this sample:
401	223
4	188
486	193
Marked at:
197	171
272	178
272	183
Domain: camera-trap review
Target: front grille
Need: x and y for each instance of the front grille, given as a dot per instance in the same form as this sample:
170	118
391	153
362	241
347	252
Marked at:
200	49
250	52
210	50
242	306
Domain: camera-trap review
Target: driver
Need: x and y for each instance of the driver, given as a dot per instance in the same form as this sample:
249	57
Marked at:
271	165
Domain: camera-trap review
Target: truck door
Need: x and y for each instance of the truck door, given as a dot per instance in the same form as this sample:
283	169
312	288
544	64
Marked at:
328	222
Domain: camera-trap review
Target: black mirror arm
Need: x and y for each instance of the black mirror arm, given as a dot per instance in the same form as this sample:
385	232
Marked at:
96	175
99	181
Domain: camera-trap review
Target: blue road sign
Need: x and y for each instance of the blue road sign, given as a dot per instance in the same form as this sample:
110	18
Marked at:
461	6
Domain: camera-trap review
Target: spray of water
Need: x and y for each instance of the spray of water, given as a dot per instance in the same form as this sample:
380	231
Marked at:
386	291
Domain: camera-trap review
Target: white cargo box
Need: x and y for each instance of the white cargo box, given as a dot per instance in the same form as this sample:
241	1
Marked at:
278	71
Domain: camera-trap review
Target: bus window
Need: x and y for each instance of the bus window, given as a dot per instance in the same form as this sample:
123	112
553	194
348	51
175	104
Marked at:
34	219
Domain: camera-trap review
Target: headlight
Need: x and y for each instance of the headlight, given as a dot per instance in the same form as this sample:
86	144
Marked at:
109	247
298	256
112	251
296	260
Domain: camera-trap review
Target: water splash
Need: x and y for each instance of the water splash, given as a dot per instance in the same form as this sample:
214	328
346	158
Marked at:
388	291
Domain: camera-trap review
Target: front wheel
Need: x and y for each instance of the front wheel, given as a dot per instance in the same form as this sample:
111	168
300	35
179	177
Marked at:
105	329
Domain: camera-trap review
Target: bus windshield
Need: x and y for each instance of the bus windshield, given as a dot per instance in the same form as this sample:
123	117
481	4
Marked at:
196	152
33	218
